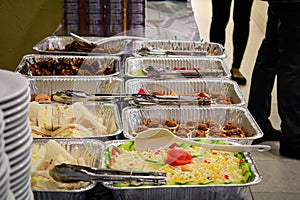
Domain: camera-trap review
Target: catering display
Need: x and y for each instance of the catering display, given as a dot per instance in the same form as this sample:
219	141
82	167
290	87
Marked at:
175	67
219	122
63	65
14	103
48	153
219	91
191	171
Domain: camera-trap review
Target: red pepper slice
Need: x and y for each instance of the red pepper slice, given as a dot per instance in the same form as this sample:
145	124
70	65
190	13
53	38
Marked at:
202	94
142	91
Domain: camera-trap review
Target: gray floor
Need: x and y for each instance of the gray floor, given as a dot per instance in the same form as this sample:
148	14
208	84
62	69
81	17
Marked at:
281	175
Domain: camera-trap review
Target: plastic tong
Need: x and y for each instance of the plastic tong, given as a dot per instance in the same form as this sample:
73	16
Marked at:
72	173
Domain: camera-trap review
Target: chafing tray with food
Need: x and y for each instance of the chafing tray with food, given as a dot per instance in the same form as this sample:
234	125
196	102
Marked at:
80	120
219	91
48	153
59	65
178	48
67	45
51	89
192	171
219	122
179	67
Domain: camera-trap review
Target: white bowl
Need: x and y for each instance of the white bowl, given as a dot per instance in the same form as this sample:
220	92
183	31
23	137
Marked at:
11	85
17	191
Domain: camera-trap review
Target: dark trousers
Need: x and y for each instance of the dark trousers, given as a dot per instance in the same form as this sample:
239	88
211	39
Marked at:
241	18
263	76
279	54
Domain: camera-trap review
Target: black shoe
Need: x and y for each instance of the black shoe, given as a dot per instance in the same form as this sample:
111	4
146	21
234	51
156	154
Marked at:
273	135
237	76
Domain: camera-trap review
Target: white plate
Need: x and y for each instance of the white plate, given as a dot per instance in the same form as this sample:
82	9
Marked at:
20	170
2	126
24	195
11	85
17	108
21	150
4	172
16	144
17	133
16	123
16	101
20	158
16	117
21	187
20	180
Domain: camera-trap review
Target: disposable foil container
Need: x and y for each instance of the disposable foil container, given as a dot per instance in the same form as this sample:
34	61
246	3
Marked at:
56	44
90	85
184	87
59	65
133	116
190	192
108	112
91	151
179	47
207	67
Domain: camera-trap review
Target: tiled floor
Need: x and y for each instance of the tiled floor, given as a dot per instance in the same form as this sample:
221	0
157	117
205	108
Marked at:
281	176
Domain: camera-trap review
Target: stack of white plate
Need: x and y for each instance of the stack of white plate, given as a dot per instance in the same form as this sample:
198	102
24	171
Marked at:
14	102
4	164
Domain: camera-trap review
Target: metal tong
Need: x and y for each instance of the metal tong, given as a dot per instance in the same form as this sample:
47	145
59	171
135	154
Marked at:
148	99
140	99
146	51
73	173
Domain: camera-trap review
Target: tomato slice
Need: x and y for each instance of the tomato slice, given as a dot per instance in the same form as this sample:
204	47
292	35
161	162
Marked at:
176	157
115	152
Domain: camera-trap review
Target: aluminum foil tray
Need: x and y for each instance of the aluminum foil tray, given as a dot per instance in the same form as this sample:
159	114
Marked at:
207	67
191	192
91	151
178	47
56	44
68	66
132	117
97	120
188	87
90	85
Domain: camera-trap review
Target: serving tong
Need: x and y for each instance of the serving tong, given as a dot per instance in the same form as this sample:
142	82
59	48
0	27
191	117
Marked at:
149	51
73	173
188	73
69	96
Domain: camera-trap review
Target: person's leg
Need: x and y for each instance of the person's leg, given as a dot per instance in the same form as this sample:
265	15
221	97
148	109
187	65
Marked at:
262	81
241	19
289	77
220	18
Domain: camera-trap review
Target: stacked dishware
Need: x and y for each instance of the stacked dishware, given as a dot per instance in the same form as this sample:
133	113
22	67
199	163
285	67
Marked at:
17	139
4	165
